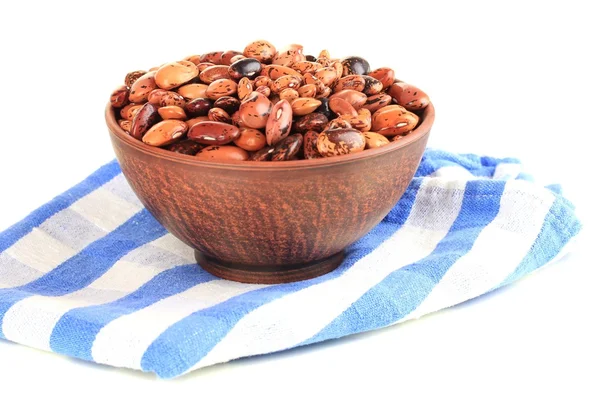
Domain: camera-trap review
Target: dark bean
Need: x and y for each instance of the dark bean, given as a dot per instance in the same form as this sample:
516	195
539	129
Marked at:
248	67
198	107
228	103
355	66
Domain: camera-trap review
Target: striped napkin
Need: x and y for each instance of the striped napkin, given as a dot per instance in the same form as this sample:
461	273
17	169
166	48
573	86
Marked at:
93	275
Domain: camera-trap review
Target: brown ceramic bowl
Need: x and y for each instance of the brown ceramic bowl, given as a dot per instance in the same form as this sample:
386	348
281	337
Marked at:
270	222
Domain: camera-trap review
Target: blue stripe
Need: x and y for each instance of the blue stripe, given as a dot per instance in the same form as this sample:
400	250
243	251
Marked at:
91	183
403	290
477	165
172	353
89	264
84	323
559	227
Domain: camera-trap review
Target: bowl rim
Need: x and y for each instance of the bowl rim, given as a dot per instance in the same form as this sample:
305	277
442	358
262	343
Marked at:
118	133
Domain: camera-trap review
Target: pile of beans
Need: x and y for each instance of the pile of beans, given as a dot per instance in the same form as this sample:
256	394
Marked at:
267	105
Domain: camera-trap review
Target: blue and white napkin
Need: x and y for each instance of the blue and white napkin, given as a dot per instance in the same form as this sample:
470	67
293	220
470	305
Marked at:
93	275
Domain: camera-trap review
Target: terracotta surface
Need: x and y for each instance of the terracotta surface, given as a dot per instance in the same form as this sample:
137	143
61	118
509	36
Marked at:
270	222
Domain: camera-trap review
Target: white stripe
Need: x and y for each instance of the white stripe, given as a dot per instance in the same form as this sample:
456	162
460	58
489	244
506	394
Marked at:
274	326
104	209
507	171
44	253
497	251
40	251
452	172
32	320
124	341
171	244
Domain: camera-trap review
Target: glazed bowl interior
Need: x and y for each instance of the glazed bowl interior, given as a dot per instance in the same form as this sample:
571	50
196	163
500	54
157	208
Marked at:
270	222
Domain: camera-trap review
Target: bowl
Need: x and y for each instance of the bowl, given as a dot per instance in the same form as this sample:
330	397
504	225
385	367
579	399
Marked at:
270	222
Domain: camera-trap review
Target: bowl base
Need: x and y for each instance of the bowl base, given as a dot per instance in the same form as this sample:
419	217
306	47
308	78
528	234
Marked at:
268	275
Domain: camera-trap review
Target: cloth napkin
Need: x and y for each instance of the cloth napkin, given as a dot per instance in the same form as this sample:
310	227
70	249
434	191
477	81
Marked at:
93	275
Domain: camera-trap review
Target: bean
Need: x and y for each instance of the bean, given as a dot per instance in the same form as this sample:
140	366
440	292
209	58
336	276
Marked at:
213	133
192	91
165	132
222	153
188	147
251	139
119	96
220	88
338	142
287	148
144	119
255	110
172	112
175	74
279	122
374	140
304	105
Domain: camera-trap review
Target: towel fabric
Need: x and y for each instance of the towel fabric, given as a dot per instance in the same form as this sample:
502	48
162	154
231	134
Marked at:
93	275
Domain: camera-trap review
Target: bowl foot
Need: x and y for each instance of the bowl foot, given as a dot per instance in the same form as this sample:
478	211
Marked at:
268	275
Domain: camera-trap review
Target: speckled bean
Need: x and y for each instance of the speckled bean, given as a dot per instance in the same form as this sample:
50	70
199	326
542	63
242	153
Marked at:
193	90
292	82
277	71
226	57
372	86
374	140
144	119
279	122
133	76
165	98
264	90
309	90
192	121
255	110
356	98
304	105
219	115
244	88
384	75
338	142
222	153
361	121
289	55
220	88
212	57
289	94
175	74
251	139
129	111
327	75
342	107
198	107
310	145
377	101
142	87
287	148
262	50
354	82
125	125
165	132
228	103
310	122
213	133
409	96
188	147
172	112
216	72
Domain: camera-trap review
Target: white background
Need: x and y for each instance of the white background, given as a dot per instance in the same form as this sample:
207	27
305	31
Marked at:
507	79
